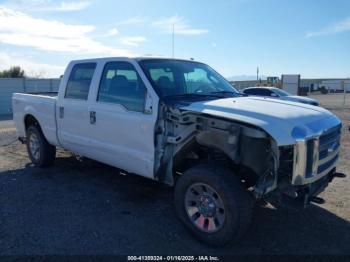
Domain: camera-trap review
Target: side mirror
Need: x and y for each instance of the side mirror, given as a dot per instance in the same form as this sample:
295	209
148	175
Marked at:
148	103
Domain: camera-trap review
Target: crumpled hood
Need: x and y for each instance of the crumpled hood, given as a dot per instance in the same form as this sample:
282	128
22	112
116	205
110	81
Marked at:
285	121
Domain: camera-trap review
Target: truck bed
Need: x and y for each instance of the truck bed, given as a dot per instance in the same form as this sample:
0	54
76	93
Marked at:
50	94
40	105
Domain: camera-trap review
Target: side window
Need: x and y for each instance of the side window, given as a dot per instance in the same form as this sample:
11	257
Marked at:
265	92
251	92
79	81
121	84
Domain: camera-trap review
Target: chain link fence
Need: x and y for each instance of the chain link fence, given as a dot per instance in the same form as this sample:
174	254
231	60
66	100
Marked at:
333	101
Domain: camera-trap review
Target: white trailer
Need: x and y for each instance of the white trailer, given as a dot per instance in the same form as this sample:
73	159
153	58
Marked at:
336	85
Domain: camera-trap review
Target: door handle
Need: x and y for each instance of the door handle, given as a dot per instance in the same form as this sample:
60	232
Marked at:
92	117
61	111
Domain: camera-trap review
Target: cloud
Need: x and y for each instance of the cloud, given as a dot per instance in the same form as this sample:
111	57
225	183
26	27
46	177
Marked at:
334	28
30	67
20	29
133	40
47	5
67	6
133	21
113	32
181	26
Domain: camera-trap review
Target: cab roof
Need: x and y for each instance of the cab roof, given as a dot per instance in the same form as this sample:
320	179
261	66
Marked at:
140	58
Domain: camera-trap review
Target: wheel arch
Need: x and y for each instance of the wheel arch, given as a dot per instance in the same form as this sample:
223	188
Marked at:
47	152
30	120
208	150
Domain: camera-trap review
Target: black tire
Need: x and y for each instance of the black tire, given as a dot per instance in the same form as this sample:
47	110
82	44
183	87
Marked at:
236	201
46	152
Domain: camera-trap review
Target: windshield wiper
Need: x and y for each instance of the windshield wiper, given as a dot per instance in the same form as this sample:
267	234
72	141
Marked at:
218	94
189	95
228	93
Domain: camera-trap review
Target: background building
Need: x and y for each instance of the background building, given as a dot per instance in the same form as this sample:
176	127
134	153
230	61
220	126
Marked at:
305	84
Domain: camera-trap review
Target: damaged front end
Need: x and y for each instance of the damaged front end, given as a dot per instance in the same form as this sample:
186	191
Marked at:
309	166
183	136
291	175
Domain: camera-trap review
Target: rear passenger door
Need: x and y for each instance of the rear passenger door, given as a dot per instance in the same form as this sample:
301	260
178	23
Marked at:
122	134
72	109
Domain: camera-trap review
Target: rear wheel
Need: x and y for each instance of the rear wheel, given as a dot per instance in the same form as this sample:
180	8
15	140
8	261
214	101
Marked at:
40	152
213	204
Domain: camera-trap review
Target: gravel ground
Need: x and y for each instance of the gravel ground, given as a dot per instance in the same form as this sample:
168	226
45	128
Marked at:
83	207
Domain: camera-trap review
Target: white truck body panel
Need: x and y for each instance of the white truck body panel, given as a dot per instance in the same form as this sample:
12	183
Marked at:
267	113
73	127
42	107
127	137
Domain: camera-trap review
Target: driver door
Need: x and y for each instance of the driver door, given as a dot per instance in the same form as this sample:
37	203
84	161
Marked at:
122	133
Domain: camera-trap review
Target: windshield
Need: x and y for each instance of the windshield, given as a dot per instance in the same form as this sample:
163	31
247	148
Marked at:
281	92
185	78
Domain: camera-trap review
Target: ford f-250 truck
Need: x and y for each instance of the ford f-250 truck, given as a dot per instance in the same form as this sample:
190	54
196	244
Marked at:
179	122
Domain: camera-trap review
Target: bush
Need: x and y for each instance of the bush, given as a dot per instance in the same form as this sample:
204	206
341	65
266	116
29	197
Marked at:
13	72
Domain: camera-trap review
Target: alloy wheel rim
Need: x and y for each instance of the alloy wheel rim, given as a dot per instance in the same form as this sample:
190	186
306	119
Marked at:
204	207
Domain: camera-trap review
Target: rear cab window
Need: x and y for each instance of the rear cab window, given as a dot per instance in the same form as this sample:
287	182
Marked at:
79	81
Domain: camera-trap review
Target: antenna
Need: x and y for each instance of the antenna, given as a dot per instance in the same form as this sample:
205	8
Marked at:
173	41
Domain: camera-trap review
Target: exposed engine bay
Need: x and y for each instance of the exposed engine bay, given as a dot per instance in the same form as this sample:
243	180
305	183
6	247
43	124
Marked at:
184	138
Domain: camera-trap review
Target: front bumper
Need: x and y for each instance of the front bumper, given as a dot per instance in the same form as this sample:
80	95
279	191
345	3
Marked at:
307	193
313	167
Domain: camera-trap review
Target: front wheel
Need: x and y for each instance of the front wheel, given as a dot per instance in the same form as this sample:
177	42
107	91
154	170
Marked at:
40	152
213	204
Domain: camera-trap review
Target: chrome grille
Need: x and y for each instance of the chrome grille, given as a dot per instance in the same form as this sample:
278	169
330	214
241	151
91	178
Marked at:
325	166
316	157
328	152
329	142
329	146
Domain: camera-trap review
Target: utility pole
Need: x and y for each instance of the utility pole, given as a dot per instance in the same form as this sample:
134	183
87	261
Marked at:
344	90
173	41
257	74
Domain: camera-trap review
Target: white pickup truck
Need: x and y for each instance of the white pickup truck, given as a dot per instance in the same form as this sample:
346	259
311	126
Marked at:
179	122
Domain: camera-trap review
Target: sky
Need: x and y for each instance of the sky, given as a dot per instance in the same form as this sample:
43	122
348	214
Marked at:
311	38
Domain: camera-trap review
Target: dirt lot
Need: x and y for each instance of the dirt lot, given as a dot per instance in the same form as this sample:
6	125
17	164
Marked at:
82	207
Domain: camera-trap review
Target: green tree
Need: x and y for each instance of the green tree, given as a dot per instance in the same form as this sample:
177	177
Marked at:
13	72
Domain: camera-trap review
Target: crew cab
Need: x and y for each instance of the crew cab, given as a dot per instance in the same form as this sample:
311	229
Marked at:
181	123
